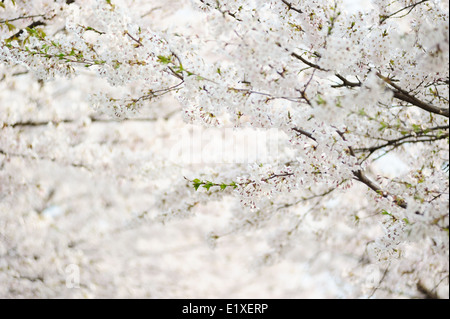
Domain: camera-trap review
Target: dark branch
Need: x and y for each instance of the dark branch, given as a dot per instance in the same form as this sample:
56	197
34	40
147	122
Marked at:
290	7
30	26
427	293
22	18
303	132
399	93
308	63
361	177
227	12
405	96
418	137
425	106
410	7
345	82
277	175
33	157
359	174
134	39
176	74
92	119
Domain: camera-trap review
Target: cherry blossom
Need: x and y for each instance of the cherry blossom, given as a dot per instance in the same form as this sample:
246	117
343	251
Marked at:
95	94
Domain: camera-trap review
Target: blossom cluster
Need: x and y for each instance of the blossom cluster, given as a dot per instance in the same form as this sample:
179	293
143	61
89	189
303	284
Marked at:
361	99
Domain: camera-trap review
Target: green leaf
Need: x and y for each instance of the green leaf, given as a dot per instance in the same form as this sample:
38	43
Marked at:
164	59
197	183
31	31
383	126
208	185
320	100
41	33
10	26
223	186
385	212
417	128
45	48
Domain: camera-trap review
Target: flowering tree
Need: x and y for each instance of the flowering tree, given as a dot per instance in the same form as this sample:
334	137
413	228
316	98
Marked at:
92	90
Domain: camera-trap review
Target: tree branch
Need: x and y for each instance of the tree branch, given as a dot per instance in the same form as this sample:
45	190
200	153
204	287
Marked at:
139	43
92	119
30	26
410	7
427	293
227	12
405	96
419	137
50	159
345	82
399	93
359	174
22	18
308	63
303	132
276	175
290	7
361	177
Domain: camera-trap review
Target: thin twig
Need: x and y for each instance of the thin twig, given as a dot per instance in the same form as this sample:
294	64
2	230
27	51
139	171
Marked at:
410	7
22	18
291	7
